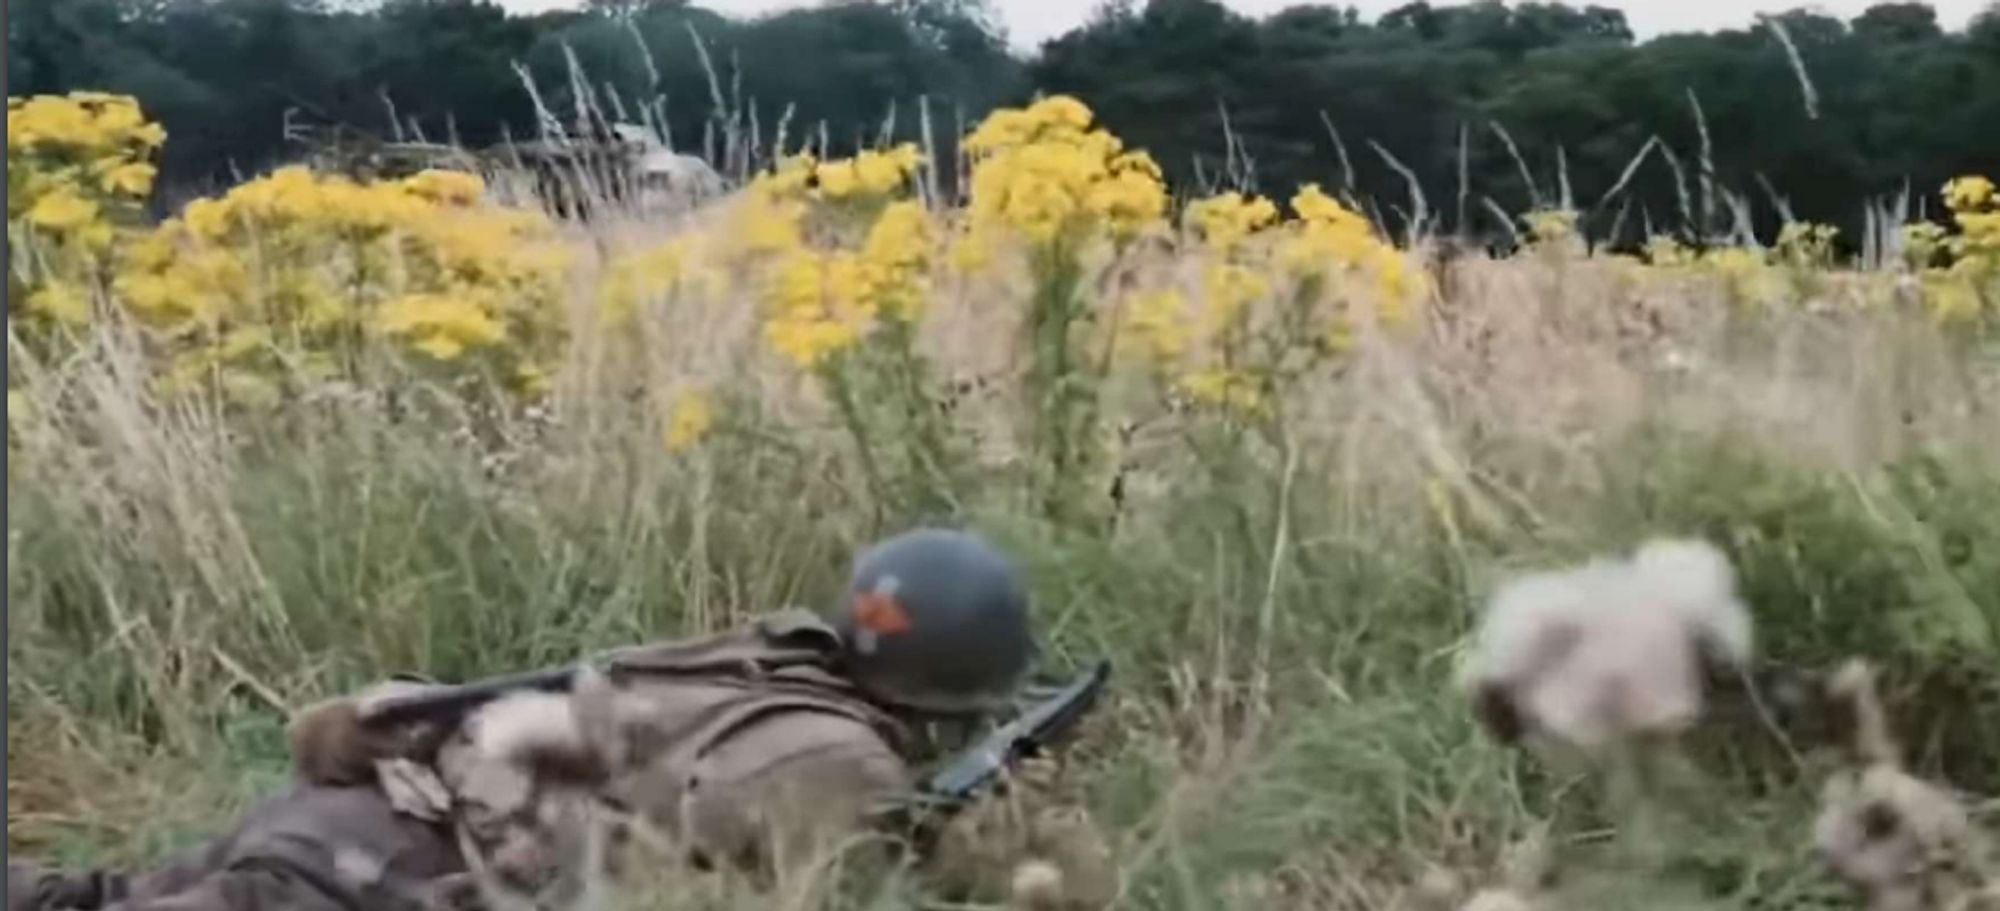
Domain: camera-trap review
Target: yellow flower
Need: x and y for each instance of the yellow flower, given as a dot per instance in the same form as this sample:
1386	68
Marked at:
1951	300
150	135
1806	243
1745	275
209	219
808	342
880	173
1969	192
893	261
693	416
453	187
532	380
1921	243
1159	324
62	211
789	179
445	326
1551	226
817	307
1230	290
1313	205
1328	237
1664	250
1227	389
50	120
61	301
1225	220
770	225
130	179
1044	173
838	180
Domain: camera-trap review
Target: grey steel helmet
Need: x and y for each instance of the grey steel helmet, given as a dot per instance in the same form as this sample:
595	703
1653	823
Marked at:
936	620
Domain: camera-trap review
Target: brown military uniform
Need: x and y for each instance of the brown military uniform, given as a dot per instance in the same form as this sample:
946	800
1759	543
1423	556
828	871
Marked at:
733	747
741	748
307	848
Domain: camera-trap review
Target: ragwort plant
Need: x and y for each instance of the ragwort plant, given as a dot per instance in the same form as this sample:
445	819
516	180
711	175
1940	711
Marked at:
1071	200
1968	290
289	281
79	170
845	256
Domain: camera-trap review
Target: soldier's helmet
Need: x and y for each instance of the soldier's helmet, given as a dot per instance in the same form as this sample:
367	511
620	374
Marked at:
936	620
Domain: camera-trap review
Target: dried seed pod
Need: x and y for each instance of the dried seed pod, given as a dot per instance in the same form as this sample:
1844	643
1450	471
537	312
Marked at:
1901	842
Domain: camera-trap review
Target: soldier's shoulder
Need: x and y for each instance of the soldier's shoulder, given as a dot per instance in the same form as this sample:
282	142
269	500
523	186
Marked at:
775	639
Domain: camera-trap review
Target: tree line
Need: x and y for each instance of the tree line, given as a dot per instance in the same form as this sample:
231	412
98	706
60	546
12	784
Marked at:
1462	116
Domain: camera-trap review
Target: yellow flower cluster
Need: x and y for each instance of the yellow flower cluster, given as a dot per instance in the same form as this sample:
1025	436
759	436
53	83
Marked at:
827	289
1805	244
1666	252
1045	172
1227	219
80	120
1234	278
1328	236
1229	290
1550	225
1969	194
1922	242
869	174
690	418
1745	275
441	325
1267	293
1969	288
1161	324
825	302
78	166
1233	390
304	265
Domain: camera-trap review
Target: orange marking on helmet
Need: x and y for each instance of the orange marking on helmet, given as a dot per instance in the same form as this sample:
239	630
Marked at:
881	614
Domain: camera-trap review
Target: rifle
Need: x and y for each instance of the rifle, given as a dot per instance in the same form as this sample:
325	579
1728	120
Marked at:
1028	734
960	779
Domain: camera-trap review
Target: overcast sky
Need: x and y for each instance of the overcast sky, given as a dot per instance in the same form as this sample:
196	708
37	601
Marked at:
1029	22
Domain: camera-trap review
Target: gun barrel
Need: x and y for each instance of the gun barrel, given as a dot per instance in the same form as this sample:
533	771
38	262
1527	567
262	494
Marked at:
447	702
1033	729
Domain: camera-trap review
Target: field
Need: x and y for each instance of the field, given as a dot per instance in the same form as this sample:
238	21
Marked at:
314	433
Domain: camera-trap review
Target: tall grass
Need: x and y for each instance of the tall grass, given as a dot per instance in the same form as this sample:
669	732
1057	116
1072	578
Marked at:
1285	608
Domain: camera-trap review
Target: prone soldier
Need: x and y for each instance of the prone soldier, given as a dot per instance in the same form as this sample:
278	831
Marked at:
734	748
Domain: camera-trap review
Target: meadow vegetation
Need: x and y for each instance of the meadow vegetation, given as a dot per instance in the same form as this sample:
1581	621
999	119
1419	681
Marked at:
314	432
